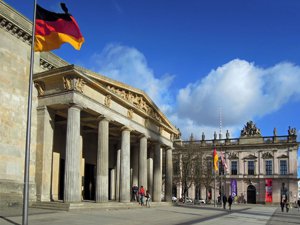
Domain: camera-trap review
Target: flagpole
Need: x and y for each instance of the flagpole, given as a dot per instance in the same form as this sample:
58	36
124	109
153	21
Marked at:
28	128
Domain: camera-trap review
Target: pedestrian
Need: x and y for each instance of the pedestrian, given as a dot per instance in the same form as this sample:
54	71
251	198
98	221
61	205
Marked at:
298	202
230	199
141	195
135	190
224	201
148	199
219	201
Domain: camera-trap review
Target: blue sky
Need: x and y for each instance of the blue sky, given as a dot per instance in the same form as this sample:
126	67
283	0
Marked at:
195	58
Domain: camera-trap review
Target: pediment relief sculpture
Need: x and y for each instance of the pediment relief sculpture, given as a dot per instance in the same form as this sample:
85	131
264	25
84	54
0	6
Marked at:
232	155
267	155
73	83
137	100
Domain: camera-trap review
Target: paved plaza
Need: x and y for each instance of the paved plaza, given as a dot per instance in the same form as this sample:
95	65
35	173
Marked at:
170	215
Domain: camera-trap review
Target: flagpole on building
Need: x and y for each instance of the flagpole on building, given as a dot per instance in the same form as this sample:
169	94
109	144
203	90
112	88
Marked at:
28	128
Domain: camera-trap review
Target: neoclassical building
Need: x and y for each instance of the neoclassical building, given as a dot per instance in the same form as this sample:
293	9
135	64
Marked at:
92	137
260	169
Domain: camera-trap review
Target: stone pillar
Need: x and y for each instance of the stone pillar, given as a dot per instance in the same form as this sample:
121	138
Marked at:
125	166
143	162
169	174
112	184
102	161
157	174
135	166
118	167
72	192
45	127
55	176
150	171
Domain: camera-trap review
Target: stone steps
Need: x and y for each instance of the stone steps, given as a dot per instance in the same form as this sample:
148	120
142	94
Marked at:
61	206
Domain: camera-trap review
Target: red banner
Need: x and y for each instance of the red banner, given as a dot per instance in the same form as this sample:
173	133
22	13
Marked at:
268	190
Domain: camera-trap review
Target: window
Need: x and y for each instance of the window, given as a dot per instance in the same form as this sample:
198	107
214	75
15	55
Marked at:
250	167
233	167
283	167
268	167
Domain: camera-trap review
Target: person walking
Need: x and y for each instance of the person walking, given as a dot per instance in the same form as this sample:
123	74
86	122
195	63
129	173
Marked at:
141	195
224	201
135	190
148	199
230	199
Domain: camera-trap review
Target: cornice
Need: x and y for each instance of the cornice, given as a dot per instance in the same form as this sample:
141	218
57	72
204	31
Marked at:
21	27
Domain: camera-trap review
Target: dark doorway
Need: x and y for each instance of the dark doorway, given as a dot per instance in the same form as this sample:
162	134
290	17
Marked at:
89	182
251	194
61	179
174	190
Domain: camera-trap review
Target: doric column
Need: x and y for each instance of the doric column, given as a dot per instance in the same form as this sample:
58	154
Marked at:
72	192
125	166
169	174
150	171
102	161
157	174
143	162
135	166
44	145
118	167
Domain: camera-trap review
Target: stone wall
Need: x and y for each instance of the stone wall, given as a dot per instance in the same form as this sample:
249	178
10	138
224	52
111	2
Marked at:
14	76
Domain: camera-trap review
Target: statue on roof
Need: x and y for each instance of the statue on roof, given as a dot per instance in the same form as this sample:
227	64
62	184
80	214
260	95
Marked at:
250	129
292	131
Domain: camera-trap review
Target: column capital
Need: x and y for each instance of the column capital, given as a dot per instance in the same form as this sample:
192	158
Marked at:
125	128
103	117
143	136
169	148
74	105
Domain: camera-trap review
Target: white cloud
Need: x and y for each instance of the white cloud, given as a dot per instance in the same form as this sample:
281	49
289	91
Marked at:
128	65
242	90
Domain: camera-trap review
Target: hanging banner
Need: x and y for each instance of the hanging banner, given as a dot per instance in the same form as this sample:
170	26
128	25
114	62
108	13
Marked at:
233	188
268	195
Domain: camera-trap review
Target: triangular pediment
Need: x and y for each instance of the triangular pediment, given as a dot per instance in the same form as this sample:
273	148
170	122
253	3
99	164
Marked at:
137	101
282	156
250	156
267	155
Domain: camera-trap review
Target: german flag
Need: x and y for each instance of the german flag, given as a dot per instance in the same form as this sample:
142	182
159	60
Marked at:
216	159
54	29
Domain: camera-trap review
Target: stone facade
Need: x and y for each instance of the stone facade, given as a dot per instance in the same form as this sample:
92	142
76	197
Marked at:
92	137
259	166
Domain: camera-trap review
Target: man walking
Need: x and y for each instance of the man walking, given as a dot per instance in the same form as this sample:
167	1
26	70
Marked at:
224	201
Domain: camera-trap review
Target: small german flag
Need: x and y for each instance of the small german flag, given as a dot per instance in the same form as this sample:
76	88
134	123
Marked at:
54	29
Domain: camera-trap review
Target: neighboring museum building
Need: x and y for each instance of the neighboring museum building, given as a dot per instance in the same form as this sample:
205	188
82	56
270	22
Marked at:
92	137
260	169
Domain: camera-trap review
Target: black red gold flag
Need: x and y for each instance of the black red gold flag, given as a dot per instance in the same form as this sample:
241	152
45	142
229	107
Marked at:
54	29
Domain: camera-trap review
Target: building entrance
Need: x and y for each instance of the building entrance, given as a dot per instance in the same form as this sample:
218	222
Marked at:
251	194
89	182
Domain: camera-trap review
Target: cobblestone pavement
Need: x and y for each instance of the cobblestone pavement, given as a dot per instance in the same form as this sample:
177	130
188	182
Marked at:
171	215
